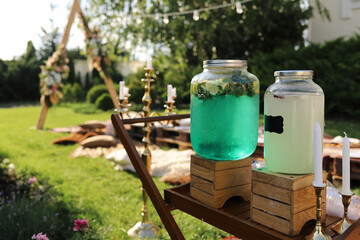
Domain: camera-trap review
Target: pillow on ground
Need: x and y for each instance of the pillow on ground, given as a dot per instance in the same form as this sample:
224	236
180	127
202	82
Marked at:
92	124
99	141
119	157
184	122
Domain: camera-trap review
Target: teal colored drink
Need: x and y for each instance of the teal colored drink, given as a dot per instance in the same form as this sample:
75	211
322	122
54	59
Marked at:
224	119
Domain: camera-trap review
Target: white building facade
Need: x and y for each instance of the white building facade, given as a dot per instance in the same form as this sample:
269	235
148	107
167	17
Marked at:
82	68
345	20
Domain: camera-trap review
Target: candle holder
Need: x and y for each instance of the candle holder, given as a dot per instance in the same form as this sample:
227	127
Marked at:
318	232
145	228
169	106
124	104
344	223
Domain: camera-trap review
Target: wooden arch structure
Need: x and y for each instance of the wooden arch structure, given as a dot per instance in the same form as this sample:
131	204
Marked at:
97	63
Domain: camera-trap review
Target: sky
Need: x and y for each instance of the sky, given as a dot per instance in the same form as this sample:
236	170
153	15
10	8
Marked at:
21	21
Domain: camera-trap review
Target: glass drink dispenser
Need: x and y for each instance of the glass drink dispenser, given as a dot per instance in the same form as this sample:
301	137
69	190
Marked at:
292	106
224	110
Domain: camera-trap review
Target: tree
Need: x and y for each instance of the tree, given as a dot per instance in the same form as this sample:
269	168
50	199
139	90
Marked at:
222	33
21	78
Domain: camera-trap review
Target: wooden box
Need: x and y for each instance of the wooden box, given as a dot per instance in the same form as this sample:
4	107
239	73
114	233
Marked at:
214	182
284	202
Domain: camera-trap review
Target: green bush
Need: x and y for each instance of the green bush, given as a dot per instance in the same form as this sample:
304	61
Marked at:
336	66
96	92
104	102
67	93
77	92
73	93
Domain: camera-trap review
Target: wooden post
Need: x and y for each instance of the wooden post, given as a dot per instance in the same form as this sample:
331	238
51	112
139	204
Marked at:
42	117
75	8
111	89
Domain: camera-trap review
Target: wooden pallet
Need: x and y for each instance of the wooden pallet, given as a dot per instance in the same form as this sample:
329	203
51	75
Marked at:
136	132
173	137
284	202
214	182
354	168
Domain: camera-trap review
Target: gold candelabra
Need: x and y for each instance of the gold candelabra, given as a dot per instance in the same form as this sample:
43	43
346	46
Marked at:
344	223
145	228
318	232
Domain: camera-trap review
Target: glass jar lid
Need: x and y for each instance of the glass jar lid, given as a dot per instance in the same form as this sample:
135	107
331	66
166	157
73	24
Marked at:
293	73
225	63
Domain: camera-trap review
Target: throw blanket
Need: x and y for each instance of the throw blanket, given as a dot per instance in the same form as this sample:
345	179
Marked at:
162	162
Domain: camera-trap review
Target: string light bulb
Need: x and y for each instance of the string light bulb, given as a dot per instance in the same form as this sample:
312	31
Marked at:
239	9
196	12
166	19
196	15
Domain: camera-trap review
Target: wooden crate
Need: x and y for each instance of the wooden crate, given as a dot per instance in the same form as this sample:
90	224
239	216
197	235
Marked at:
214	182
284	202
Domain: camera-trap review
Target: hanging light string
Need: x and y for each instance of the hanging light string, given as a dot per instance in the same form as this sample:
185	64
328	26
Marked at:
195	12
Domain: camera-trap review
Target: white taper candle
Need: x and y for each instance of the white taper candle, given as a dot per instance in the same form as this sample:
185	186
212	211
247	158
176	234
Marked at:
149	63
126	91
174	92
169	93
346	167
121	90
318	158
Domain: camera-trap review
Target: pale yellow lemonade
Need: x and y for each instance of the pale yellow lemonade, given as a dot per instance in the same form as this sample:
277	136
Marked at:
292	151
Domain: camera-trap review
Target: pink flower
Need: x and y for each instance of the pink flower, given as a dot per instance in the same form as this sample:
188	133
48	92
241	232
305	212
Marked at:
58	69
53	88
40	236
32	180
81	225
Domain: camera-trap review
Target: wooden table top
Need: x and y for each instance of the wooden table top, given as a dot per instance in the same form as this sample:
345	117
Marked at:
234	217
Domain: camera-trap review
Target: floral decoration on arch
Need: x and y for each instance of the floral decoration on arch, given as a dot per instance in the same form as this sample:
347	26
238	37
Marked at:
52	74
96	51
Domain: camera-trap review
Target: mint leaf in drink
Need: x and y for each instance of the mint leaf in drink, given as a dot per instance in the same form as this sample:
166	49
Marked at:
250	91
201	92
235	88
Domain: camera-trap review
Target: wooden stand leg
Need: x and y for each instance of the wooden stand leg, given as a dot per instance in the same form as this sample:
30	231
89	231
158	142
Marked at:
110	86
42	117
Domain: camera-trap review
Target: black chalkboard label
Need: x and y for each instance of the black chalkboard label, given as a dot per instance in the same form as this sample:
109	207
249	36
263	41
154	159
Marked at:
274	124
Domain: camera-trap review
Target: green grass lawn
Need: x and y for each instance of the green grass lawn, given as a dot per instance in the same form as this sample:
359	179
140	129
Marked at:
85	187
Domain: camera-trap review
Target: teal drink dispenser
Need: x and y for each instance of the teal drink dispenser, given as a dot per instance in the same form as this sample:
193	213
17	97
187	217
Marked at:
224	110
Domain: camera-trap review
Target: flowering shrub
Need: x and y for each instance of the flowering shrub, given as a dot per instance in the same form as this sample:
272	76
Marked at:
40	236
31	180
81	225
